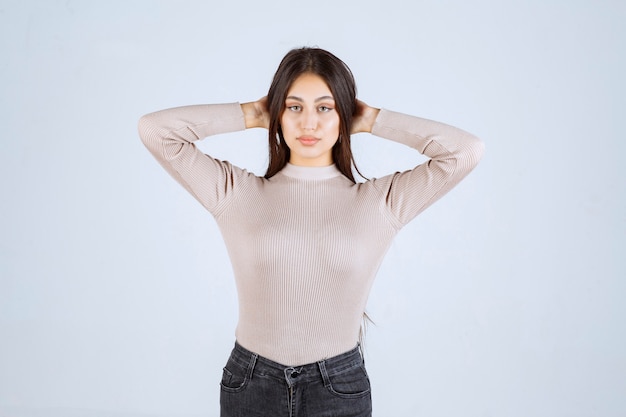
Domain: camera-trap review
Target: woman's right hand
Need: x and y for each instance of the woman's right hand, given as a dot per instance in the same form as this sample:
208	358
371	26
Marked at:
256	113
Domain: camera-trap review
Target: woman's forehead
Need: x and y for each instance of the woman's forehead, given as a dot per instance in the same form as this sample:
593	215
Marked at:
309	87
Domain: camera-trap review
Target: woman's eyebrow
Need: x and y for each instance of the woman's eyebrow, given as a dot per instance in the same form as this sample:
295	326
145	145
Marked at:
316	100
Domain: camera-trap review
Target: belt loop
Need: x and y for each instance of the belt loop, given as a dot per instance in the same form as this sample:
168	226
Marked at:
322	366
252	364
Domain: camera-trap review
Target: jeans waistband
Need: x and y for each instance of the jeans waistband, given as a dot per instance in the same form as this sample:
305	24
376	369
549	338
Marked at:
259	365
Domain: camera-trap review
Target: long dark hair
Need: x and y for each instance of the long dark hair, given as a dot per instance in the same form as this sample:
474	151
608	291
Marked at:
341	82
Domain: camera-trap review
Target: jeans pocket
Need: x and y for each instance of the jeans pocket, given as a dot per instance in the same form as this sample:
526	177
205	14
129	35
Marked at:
351	383
234	377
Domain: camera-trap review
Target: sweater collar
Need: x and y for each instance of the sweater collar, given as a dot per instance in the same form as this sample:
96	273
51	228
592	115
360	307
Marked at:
310	173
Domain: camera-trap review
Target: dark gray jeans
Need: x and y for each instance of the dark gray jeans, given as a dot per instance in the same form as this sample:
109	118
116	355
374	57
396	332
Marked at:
253	386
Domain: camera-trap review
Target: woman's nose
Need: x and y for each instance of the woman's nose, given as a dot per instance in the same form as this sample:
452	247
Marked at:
309	120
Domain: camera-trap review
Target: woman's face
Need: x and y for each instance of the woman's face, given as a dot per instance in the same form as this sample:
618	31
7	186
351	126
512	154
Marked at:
310	122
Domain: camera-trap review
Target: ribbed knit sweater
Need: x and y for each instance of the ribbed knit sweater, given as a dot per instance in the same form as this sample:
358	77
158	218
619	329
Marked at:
305	245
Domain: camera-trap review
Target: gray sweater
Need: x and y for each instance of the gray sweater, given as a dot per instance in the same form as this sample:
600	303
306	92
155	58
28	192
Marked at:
306	244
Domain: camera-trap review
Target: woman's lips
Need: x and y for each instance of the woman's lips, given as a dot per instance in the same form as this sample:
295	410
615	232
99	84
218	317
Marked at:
308	140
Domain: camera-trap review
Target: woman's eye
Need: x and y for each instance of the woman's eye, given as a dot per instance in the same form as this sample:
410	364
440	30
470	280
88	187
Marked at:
294	108
325	109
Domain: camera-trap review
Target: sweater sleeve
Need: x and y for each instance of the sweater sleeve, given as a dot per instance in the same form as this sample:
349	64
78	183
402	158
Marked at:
170	135
453	154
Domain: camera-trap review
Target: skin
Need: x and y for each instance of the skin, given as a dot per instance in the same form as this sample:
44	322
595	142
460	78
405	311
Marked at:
310	122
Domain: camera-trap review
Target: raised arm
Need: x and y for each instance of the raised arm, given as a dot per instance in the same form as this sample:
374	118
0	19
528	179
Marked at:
453	152
170	135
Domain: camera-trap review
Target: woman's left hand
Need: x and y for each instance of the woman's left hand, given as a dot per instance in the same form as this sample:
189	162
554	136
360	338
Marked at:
256	113
364	118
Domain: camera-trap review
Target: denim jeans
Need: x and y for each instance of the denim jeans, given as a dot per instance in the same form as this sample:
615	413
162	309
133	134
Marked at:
253	386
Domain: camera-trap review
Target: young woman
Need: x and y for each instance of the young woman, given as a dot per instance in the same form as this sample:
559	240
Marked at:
305	240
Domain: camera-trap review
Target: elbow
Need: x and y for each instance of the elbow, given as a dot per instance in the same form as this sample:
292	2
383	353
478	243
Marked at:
477	150
473	150
471	153
150	131
144	128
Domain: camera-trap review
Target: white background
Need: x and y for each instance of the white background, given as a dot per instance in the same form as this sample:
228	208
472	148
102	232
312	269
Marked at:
506	298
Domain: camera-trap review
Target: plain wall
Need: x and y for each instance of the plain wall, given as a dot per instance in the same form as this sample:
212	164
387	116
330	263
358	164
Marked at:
506	298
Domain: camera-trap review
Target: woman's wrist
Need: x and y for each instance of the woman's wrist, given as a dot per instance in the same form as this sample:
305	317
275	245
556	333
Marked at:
250	114
370	118
365	118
